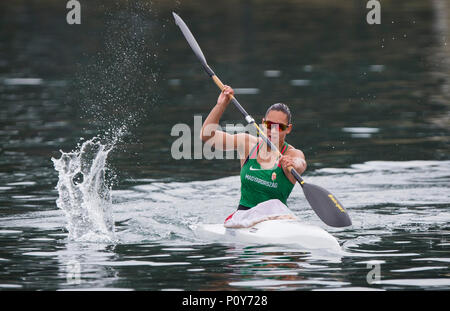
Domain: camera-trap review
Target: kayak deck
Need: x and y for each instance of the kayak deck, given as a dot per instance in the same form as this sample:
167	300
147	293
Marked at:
282	231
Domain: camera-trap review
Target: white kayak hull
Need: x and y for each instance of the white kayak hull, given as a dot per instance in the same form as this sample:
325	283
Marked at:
279	231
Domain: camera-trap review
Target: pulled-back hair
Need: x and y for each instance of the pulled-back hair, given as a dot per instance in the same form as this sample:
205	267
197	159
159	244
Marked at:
283	108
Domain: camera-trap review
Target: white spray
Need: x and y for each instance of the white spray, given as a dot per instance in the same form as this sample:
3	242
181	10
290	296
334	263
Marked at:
83	193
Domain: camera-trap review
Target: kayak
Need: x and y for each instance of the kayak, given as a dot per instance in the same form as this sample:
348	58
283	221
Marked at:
277	231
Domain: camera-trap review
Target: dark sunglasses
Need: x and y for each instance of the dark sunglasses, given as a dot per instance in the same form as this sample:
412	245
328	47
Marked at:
281	126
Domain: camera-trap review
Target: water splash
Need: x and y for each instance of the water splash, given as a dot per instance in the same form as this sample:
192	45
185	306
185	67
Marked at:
84	195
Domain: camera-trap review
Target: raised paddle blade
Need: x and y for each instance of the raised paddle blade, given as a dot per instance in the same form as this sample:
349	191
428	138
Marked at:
192	43
326	206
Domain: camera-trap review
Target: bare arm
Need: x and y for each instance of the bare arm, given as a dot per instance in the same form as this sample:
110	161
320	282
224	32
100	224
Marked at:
220	139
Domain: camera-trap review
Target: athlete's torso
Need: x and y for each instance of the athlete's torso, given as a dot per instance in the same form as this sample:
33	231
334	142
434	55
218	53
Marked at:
259	185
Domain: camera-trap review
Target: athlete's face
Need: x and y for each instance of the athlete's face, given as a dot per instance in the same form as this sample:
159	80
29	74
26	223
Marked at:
276	126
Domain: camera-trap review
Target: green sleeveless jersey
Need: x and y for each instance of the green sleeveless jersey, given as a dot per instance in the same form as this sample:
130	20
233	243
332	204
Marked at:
259	185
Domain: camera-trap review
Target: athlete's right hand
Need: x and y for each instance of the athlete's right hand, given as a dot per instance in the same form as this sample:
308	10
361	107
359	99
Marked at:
225	96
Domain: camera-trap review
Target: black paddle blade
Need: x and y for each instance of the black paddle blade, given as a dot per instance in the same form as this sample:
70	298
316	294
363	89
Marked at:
326	206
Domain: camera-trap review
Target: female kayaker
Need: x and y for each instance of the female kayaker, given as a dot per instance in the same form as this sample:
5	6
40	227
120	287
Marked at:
266	181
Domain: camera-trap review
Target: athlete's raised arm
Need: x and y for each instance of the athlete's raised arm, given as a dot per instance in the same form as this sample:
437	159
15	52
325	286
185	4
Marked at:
220	139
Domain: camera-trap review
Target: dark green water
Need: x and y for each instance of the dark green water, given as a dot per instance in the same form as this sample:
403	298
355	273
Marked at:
370	110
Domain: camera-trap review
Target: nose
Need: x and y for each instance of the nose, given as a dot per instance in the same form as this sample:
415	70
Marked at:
274	130
274	135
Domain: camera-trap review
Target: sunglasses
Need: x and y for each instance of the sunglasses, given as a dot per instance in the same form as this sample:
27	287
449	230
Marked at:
281	126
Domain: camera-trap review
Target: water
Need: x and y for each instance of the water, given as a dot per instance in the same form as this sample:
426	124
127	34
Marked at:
401	223
113	210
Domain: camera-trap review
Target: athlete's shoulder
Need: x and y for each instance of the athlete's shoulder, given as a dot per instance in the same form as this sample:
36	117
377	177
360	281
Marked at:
294	152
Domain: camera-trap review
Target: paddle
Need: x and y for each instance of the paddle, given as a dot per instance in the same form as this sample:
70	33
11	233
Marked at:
324	204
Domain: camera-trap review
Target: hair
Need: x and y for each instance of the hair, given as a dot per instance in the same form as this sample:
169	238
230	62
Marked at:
283	108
